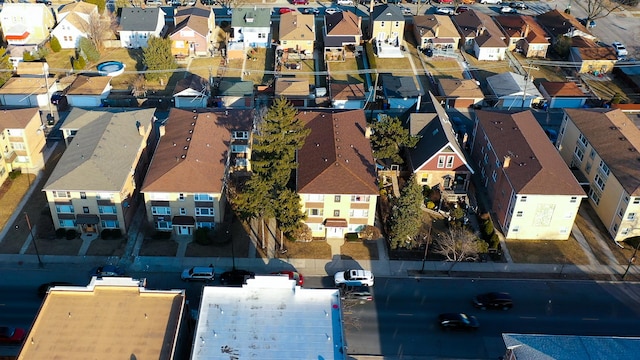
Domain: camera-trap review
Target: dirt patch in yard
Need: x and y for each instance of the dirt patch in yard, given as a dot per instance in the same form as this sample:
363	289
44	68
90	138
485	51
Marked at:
56	247
360	250
317	249
158	247
101	247
547	252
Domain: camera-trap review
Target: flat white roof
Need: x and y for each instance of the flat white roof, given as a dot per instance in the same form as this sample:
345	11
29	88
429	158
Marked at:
269	318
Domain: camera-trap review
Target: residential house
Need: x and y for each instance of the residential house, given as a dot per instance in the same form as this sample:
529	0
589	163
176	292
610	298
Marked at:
348	96
88	91
342	34
336	176
74	21
558	24
480	35
27	91
590	57
235	94
16	53
536	346
602	145
193	33
122	310
400	92
438	160
436	32
197	145
387	32
26	23
524	35
460	93
513	90
296	90
562	95
297	35
534	194
630	76
258	308
250	28
22	142
96	182
191	92
138	24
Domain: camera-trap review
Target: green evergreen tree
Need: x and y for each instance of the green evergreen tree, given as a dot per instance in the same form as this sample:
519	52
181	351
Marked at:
389	137
406	217
157	56
79	63
6	67
289	211
55	44
88	49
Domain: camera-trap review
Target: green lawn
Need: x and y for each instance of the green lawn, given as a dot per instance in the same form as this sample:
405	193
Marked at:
346	71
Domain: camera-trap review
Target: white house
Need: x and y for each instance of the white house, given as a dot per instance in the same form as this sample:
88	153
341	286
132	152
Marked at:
251	27
192	92
513	90
348	96
26	24
138	24
73	23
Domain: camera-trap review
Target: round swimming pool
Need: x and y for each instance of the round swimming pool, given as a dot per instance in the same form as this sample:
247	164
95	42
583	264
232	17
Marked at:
110	68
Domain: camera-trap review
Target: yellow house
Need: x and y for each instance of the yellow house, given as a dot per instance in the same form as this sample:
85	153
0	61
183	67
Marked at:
95	184
184	188
602	145
387	32
297	34
336	177
22	141
591	58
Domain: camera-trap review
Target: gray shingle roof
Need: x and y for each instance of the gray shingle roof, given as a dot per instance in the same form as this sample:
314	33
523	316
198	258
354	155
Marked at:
389	12
138	19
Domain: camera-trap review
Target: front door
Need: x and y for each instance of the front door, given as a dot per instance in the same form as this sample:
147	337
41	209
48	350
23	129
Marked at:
184	230
335	232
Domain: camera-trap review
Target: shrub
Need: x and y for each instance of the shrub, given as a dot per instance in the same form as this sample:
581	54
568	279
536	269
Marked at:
431	205
71	234
105	234
201	236
27	56
303	233
370	233
352	236
79	63
60	233
55	44
14	174
89	49
161	235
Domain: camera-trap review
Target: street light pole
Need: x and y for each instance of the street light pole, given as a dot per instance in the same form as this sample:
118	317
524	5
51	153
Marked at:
33	238
426	249
631	259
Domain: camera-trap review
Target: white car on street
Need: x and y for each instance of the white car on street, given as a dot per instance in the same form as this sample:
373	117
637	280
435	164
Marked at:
445	11
620	49
353	277
331	11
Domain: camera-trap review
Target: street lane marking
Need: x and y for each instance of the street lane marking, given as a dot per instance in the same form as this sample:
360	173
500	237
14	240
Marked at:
404	314
527	317
590	319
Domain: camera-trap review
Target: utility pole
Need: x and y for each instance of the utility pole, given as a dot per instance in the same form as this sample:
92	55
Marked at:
526	82
631	259
33	239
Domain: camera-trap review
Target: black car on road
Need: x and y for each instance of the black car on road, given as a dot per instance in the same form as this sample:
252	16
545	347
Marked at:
458	321
236	277
493	300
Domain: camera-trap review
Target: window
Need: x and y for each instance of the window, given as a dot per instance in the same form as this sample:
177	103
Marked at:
449	162
519	214
636	201
579	153
163	225
240	134
564	230
587	168
15	132
160	210
336	213
486	158
208	225
203	197
523	199
594	196
181	197
364	198
592	154
85	209
624	231
262	36
83	195
110	224
315	212
336	198
381	23
159	196
359	213
441	162
67	223
494	176
315	197
599	181
626	199
61	194
18	146
582	140
631	216
107	209
205	211
239	148
573	199
104	196
516	229
64	209
604	168
183	211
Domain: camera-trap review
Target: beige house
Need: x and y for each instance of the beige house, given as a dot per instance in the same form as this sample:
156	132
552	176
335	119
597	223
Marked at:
590	57
198	146
95	184
523	34
22	141
387	32
460	93
342	33
602	145
114	314
297	34
336	177
436	32
534	195
296	90
194	32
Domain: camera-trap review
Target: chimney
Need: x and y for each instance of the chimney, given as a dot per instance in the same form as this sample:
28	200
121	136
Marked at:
526	30
436	29
371	3
507	161
162	130
367	132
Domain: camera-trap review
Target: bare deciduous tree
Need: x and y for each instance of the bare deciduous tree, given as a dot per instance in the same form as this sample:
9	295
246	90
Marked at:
458	245
598	9
232	4
100	27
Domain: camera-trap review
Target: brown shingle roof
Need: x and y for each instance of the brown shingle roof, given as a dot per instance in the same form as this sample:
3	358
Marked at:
429	25
461	88
193	81
17	118
88	85
292	87
535	166
522	26
79	7
558	23
194	18
336	157
347	91
342	23
599	53
295	26
195	152
616	140
25	85
563	89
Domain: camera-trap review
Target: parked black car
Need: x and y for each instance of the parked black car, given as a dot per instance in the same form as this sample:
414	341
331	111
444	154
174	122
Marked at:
493	300
458	321
46	2
356	294
518	5
236	277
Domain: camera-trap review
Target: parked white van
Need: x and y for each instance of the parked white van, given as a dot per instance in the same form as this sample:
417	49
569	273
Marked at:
490	1
200	273
345	2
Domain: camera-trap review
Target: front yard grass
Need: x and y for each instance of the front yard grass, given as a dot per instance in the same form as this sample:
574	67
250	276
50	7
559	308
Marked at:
360	250
317	249
547	251
345	71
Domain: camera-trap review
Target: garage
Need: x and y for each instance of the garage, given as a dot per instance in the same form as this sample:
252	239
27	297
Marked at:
84	100
19	100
